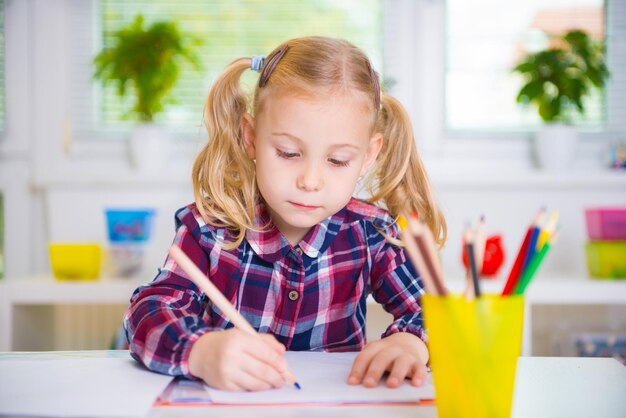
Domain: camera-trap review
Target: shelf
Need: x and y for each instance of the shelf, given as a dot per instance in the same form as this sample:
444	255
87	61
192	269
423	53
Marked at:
562	291
46	290
605	179
548	291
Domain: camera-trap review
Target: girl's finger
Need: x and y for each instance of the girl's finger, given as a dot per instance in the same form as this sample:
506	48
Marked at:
419	374
361	363
270	376
378	365
400	369
252	381
265	351
273	342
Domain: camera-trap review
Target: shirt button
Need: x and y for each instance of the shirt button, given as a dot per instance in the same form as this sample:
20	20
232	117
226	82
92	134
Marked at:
299	250
293	295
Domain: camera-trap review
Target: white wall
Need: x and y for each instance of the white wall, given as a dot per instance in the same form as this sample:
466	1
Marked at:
57	184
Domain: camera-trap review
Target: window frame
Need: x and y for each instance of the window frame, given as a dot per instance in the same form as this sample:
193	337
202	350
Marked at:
424	22
413	44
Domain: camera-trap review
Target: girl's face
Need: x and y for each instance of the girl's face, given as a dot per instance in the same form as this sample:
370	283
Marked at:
310	152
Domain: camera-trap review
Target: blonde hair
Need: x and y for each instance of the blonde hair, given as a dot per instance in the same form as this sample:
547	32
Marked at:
224	176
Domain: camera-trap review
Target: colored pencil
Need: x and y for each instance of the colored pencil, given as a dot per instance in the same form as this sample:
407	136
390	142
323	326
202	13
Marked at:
480	240
213	293
531	250
516	269
548	230
415	256
469	248
530	272
426	245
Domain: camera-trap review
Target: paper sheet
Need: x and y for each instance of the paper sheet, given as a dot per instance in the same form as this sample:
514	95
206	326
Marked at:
323	377
72	384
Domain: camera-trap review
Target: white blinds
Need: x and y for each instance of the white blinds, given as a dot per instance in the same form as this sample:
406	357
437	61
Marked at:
227	29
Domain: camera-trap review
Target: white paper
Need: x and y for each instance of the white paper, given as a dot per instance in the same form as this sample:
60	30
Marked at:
323	378
71	384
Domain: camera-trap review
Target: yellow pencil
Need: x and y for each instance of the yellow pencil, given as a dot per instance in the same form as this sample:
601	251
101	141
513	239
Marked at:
213	293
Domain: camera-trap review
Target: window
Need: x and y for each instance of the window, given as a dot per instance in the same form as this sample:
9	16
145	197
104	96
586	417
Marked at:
486	38
226	29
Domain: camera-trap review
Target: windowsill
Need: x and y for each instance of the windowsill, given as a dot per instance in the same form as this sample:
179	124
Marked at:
530	178
441	176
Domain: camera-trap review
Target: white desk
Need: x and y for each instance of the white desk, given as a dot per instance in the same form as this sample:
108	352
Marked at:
545	387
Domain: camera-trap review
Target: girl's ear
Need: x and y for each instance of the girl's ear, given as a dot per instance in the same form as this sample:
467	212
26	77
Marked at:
249	135
376	143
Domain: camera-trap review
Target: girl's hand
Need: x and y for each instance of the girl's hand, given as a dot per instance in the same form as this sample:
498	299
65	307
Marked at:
403	355
235	360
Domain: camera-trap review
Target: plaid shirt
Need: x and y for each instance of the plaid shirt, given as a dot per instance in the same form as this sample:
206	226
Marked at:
311	296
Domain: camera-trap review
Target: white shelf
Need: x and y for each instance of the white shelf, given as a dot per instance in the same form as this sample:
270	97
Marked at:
562	291
47	290
547	291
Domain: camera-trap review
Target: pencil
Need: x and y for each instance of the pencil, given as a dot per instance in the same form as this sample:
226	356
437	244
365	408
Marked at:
213	293
426	245
416	257
548	230
480	240
529	273
516	269
469	247
531	250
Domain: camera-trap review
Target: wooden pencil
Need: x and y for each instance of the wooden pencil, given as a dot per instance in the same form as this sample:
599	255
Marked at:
213	293
426	246
415	256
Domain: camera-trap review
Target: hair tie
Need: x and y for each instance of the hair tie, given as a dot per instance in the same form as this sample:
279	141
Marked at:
257	63
272	61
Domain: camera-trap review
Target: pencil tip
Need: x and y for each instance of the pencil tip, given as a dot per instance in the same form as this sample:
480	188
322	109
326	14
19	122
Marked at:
297	385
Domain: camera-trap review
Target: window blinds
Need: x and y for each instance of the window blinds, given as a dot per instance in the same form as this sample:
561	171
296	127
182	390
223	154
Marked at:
226	29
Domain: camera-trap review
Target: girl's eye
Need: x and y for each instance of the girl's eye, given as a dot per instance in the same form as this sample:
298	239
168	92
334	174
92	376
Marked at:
338	163
286	155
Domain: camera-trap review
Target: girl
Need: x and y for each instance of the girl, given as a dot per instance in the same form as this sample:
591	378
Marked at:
275	227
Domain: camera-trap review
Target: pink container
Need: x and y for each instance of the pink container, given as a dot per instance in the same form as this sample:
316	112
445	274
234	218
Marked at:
606	223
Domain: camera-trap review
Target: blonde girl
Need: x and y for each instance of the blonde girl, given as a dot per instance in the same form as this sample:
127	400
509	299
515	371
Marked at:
277	229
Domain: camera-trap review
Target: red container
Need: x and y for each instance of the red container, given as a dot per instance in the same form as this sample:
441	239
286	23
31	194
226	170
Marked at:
604	224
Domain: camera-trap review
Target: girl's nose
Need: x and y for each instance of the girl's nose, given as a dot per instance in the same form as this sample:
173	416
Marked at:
310	179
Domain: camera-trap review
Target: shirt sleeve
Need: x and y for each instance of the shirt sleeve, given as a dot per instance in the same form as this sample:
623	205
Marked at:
395	284
166	316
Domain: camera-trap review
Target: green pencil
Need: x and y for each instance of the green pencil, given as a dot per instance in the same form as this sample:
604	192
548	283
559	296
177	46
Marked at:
528	274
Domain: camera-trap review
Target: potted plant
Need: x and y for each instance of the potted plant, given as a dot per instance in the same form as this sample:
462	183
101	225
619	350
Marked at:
557	80
147	63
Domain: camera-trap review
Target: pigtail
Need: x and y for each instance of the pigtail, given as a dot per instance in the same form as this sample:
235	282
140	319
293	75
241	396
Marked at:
223	174
400	179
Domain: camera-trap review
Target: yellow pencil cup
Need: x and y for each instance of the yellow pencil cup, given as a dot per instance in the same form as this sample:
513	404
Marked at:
474	346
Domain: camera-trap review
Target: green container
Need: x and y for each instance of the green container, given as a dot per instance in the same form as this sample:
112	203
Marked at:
606	259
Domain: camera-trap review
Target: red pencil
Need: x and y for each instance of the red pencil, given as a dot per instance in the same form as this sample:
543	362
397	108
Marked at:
516	270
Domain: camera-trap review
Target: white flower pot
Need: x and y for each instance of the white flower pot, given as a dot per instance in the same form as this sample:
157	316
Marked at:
555	146
148	147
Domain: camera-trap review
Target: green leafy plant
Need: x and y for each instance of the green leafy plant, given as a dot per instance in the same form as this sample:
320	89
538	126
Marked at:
558	78
146	61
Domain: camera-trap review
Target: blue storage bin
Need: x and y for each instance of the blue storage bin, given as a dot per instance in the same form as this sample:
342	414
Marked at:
129	225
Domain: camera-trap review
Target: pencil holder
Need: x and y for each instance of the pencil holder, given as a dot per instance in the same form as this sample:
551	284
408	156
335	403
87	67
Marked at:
474	347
